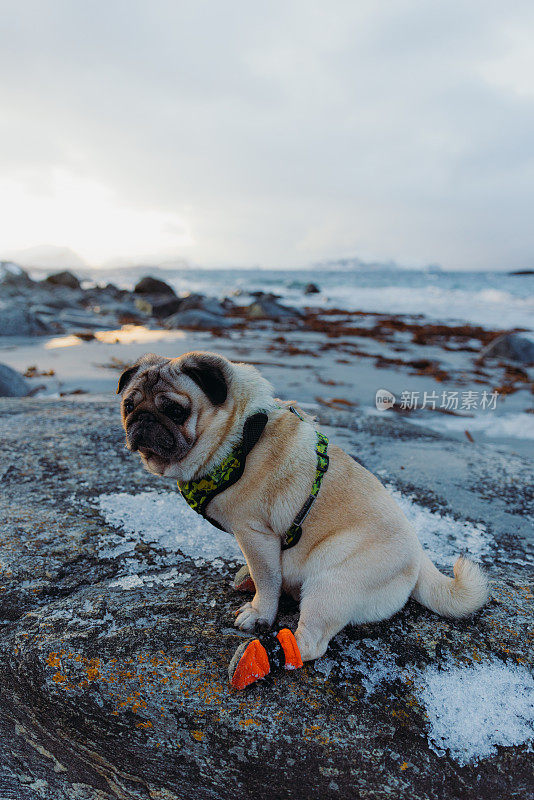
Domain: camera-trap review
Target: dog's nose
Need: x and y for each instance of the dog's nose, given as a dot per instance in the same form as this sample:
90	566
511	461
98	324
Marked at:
139	429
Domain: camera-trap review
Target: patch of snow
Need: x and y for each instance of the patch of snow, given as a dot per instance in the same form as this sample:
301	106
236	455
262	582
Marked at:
367	657
166	519
442	536
127	582
149	579
515	426
8	269
473	710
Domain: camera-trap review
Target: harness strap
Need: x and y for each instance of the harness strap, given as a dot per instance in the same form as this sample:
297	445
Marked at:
294	532
198	494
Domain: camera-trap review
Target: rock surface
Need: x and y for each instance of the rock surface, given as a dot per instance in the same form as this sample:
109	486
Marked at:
196	319
513	347
150	285
266	306
12	384
159	305
114	653
202	303
66	278
18	320
13	275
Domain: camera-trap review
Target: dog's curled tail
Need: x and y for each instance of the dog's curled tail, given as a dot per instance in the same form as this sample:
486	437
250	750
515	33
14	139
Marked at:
451	597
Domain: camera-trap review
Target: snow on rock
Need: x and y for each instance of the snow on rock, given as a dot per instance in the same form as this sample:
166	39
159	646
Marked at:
164	518
519	425
443	537
473	710
367	658
127	582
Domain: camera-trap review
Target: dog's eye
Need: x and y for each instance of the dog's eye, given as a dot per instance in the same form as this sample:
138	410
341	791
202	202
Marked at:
128	405
176	412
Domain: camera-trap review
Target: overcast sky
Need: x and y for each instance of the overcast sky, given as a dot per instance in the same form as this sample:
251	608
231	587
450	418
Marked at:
269	133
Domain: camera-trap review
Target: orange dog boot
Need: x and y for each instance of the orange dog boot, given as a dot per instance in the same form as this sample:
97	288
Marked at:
254	660
243	582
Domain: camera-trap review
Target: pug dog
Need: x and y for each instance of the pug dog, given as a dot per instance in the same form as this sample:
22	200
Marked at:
358	559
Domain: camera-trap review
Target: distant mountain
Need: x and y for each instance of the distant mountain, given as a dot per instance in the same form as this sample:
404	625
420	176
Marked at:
354	263
48	257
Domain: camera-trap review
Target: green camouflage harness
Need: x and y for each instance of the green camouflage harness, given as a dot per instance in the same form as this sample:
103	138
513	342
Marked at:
199	493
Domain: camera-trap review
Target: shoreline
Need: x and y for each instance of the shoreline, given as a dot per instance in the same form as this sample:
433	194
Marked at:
324	356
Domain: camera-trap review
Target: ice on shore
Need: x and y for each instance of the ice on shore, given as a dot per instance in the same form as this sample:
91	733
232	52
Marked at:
471	711
165	519
519	425
172	576
443	537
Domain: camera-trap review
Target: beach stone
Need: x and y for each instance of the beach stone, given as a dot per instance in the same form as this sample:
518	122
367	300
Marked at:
162	305
311	288
196	319
266	306
65	278
12	384
13	275
106	294
512	347
203	303
18	320
150	285
113	665
60	297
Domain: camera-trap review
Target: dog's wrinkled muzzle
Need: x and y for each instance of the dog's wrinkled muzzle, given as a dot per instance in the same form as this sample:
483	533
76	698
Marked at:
146	432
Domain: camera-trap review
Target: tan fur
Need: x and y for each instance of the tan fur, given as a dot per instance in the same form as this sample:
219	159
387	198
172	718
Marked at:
359	559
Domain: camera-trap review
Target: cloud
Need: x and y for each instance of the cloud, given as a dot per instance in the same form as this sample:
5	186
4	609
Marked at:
270	132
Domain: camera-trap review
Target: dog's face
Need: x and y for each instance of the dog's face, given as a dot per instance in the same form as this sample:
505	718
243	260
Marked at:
169	405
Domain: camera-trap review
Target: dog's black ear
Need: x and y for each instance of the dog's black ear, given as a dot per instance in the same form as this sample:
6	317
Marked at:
126	377
206	371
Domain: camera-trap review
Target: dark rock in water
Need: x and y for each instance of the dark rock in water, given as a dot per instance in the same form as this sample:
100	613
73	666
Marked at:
18	320
85	319
522	272
13	275
113	665
105	294
203	303
511	346
58	296
260	293
266	306
311	288
12	384
196	319
160	306
66	278
150	285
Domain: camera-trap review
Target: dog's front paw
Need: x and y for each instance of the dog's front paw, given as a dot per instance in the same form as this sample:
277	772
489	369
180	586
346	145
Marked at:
249	619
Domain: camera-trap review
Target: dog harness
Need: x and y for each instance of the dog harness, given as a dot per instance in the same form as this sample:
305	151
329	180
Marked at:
199	493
